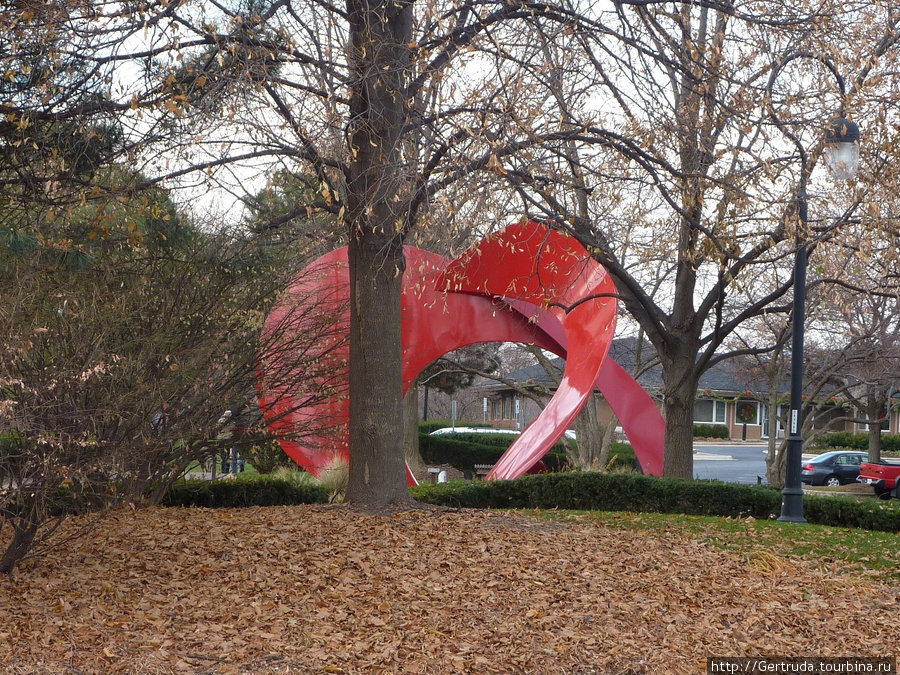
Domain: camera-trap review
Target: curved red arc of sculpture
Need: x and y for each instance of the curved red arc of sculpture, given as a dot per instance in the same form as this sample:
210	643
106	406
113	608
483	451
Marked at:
530	276
564	281
640	419
433	324
637	413
306	427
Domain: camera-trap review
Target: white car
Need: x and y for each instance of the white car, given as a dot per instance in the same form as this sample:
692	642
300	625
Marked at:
486	430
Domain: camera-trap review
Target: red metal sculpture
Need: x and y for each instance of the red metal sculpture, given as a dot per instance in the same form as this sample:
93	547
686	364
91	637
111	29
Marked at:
526	284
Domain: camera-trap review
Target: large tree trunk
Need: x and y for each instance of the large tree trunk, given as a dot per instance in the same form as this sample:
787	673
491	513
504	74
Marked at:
590	437
679	353
609	437
776	463
411	433
678	460
875	404
680	390
377	474
380	35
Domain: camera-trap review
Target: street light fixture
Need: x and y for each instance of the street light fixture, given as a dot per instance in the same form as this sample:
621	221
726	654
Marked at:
842	149
842	159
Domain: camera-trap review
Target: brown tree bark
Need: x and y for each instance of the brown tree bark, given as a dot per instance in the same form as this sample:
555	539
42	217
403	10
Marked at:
875	404
411	433
776	463
679	390
24	532
609	437
590	437
380	34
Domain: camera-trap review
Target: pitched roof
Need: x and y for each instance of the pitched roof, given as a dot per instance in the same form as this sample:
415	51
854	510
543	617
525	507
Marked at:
722	377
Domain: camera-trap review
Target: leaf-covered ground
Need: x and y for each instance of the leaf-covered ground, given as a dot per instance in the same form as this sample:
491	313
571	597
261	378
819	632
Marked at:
316	589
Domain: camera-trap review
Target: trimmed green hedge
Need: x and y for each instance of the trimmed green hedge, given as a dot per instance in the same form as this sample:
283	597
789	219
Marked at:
866	514
859	441
579	491
243	492
464	455
494	439
464	451
628	492
606	492
710	431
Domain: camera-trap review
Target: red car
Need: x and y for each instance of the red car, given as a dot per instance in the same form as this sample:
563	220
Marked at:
884	477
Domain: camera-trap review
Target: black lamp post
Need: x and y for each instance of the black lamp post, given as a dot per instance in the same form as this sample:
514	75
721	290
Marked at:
842	158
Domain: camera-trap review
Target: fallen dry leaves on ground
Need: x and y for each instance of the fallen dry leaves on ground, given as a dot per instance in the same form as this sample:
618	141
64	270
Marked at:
313	589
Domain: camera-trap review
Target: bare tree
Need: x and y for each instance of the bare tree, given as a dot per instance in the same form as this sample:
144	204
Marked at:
866	323
850	366
403	112
687	181
375	100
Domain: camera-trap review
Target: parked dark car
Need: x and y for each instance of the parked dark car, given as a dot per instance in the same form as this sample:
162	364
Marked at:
837	467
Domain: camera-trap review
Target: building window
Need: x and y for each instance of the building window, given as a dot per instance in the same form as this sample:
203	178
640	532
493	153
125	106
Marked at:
507	408
709	411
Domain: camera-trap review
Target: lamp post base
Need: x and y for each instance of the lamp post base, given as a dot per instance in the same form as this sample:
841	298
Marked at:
792	505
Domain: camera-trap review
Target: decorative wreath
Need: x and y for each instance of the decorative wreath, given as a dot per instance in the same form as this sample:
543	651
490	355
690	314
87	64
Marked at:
745	412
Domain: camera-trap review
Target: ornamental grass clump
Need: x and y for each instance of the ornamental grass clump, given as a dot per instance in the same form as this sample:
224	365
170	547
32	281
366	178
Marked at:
334	477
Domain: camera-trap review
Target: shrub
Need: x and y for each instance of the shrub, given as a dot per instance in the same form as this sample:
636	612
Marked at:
710	431
845	439
496	440
612	492
38	490
621	456
866	514
294	474
465	455
859	441
266	456
629	492
334	478
464	451
242	492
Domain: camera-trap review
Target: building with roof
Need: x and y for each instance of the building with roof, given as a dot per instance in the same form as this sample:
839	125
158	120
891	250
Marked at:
727	396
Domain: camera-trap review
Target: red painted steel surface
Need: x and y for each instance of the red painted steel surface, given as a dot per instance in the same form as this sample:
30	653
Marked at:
310	427
526	284
313	432
551	270
637	413
435	322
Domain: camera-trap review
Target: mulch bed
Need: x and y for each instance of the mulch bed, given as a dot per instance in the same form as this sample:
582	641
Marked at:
315	589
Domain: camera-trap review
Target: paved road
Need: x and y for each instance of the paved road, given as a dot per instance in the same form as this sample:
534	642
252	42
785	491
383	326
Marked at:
731	463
